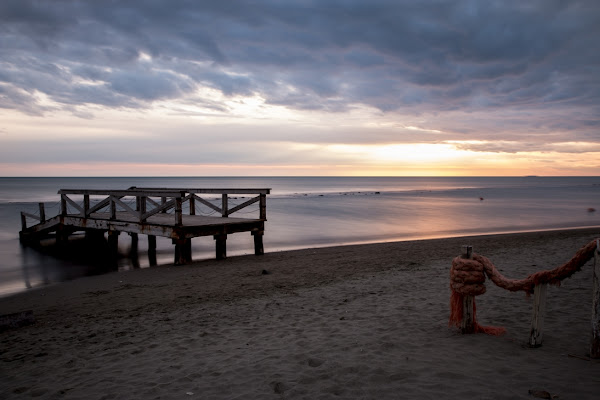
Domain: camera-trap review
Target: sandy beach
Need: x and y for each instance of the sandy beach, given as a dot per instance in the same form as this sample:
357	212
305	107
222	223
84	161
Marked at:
350	322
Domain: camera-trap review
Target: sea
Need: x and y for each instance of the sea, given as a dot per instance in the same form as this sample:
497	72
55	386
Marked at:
308	212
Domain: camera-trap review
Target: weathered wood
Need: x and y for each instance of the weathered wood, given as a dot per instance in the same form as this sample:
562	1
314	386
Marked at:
258	242
595	339
42	212
263	206
468	321
152	250
23	221
192	205
221	246
537	318
178	211
86	205
224	205
121	217
183	251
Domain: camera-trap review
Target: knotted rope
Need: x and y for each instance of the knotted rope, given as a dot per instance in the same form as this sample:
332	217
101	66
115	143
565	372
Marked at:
467	278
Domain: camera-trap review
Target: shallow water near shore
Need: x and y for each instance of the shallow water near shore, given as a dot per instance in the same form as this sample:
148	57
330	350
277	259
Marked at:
306	212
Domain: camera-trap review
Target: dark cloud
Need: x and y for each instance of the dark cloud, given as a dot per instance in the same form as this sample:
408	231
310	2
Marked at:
415	57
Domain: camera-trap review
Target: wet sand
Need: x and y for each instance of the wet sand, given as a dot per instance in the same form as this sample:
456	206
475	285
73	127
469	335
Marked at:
366	321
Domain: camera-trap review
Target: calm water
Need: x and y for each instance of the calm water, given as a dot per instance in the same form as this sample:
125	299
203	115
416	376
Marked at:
308	212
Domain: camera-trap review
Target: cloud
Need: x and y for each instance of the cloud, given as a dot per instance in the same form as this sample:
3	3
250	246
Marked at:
494	72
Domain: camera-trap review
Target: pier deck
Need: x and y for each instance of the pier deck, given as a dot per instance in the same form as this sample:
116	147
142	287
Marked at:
167	212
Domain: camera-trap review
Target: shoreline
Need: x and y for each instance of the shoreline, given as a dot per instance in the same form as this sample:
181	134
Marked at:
367	320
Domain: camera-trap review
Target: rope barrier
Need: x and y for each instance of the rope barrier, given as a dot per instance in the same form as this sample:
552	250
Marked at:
467	278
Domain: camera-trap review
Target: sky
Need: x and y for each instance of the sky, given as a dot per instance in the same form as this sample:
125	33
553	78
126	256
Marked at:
297	87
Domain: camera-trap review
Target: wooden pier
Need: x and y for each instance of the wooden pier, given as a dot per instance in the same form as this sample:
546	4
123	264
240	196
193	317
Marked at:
167	212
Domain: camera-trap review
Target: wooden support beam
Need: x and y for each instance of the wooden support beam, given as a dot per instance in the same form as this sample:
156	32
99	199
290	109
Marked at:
537	318
221	246
183	251
133	251
468	321
23	221
595	340
152	250
259	249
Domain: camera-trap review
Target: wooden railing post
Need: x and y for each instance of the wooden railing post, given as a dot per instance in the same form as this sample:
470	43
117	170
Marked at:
63	204
142	206
86	205
537	319
113	208
595	342
42	212
163	200
192	205
263	206
23	221
224	205
468	321
178	211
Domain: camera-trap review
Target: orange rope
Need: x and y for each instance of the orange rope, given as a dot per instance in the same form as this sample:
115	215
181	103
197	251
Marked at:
467	278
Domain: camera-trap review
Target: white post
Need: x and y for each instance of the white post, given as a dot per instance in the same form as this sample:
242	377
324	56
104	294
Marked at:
537	319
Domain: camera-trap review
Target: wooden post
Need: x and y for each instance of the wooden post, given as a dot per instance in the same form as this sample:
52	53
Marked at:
63	204
221	246
192	205
23	221
595	341
537	319
178	211
263	206
113	249
183	251
113	208
258	242
133	251
224	205
152	250
163	200
86	205
468	321
142	207
42	212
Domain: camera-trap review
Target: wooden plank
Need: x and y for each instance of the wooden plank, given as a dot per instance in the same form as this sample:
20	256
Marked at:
537	319
595	340
210	191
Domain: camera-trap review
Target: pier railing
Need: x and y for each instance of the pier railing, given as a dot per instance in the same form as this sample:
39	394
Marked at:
149	202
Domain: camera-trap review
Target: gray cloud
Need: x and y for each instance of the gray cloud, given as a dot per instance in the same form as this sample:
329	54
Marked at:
413	57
